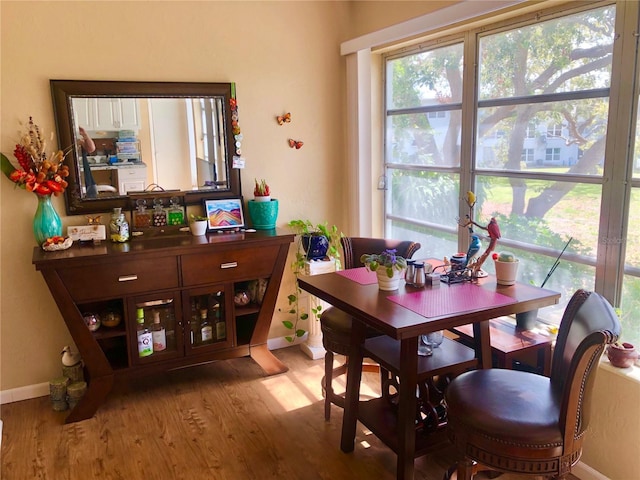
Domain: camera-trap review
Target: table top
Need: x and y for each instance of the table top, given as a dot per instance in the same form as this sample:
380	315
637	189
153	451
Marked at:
370	304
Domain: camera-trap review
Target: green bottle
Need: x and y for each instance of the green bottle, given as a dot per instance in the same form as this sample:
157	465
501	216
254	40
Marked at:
145	337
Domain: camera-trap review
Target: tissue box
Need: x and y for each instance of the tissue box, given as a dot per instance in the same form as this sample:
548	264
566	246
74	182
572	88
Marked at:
432	280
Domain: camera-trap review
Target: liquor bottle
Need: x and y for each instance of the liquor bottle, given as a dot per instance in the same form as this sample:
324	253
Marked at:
145	339
141	218
221	325
159	214
194	323
158	333
206	329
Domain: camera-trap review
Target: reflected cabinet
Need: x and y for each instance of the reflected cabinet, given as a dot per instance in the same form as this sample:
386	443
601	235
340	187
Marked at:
169	303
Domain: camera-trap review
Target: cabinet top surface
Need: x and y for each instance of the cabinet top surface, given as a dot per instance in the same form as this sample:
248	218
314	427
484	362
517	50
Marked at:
173	243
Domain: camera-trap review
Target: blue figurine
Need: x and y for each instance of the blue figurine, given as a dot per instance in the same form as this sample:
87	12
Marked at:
474	248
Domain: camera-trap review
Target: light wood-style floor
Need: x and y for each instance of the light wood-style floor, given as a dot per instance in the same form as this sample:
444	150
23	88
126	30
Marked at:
221	421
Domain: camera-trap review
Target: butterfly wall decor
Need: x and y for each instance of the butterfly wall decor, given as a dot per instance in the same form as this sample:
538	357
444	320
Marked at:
282	119
297	144
93	220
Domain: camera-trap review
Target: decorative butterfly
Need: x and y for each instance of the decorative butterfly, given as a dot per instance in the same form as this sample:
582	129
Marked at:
93	220
297	144
286	118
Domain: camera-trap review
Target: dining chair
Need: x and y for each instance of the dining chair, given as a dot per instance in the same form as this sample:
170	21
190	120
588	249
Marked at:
336	324
525	423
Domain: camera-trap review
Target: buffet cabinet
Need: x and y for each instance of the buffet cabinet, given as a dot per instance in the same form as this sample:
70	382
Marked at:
186	284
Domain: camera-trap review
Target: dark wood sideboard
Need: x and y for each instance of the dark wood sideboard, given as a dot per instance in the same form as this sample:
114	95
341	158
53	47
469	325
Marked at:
175	276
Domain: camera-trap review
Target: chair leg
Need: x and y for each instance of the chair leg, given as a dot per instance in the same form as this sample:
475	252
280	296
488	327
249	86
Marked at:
328	384
466	469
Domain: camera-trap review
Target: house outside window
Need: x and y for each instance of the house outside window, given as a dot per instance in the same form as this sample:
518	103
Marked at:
534	129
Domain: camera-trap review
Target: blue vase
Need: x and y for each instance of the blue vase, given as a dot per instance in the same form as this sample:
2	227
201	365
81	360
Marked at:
316	246
46	221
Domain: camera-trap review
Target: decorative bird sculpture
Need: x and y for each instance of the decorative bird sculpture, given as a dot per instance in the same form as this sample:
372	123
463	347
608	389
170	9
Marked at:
474	248
69	357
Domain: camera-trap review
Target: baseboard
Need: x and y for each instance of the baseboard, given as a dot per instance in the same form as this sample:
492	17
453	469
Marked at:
24	393
42	389
585	472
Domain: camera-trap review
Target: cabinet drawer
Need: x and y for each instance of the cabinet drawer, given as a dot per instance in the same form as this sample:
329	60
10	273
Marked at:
229	265
122	278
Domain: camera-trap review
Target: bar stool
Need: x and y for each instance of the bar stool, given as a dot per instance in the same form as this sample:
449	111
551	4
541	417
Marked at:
336	324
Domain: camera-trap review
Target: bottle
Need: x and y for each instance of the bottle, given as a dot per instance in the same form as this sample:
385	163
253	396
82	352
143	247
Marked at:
141	218
158	333
118	227
159	215
194	323
145	339
206	329
221	325
419	278
176	213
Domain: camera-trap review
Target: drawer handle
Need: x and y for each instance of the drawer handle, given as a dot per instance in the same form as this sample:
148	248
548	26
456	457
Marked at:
229	265
127	278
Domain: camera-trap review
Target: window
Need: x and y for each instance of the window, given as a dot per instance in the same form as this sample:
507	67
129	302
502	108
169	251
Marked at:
537	126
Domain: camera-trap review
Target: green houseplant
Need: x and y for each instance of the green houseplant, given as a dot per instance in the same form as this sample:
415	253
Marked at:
306	229
388	260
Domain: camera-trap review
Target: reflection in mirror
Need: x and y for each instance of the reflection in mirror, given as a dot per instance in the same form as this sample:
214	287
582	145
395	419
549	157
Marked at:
174	143
148	136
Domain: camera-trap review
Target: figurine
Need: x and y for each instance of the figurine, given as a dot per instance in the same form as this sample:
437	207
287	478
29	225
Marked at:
69	358
492	229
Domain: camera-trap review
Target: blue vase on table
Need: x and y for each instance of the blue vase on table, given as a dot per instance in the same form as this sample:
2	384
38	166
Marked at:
46	221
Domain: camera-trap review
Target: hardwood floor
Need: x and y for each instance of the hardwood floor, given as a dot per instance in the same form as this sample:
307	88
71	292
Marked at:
221	421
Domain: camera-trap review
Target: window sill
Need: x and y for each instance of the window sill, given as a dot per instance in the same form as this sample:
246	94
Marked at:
632	373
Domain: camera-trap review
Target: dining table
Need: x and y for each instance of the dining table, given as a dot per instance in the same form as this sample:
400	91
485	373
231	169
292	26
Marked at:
401	317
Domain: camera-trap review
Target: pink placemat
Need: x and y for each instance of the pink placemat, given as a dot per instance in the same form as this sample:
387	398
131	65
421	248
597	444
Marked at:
360	275
434	302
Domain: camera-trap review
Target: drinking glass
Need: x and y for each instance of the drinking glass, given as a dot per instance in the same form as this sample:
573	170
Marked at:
435	338
425	348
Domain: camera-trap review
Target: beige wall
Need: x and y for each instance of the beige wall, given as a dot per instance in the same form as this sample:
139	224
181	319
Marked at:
284	56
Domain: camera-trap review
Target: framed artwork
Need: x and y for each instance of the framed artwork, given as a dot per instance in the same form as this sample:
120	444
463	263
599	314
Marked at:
224	213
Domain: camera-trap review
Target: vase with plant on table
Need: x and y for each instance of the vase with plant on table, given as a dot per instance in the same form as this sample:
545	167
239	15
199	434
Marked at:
43	174
197	224
388	266
263	210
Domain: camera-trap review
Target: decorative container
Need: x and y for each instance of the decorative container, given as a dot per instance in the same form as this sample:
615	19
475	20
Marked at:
198	227
263	213
622	355
506	272
388	284
316	246
92	320
74	372
46	221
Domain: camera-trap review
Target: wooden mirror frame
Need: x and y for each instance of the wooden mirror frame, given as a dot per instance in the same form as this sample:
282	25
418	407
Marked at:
62	92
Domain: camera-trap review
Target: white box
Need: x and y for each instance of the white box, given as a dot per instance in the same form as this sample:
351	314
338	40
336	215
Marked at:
315	267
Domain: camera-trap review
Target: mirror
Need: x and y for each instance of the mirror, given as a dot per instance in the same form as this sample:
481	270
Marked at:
149	137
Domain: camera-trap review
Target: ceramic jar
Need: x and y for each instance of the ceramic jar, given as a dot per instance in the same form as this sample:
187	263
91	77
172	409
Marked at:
622	355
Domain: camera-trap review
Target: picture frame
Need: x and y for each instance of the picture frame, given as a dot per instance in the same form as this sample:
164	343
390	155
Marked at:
224	213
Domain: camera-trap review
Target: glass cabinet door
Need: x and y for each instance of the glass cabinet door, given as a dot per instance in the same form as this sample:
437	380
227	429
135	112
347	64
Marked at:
158	333
207	319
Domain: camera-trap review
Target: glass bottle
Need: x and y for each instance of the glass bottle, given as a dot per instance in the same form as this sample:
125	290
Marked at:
118	227
221	325
159	214
206	329
141	217
176	212
158	333
145	338
194	322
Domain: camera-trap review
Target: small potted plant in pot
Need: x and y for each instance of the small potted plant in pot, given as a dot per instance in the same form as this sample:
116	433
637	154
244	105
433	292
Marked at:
389	267
197	224
506	265
263	210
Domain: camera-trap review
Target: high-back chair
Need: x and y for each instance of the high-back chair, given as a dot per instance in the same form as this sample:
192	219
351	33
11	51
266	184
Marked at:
521	422
336	324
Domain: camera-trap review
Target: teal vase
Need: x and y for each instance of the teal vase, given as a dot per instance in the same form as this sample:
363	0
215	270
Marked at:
46	221
263	214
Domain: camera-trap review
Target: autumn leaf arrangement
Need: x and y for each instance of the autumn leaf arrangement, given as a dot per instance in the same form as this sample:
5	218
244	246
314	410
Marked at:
41	173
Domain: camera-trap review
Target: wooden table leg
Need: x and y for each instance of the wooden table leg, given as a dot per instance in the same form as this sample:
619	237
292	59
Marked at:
352	394
267	360
482	343
407	408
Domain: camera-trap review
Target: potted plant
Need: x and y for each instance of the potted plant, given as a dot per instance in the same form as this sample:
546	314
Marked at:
388	266
506	265
197	224
307	230
263	210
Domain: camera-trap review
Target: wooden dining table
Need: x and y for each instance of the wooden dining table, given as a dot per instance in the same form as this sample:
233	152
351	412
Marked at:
403	315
